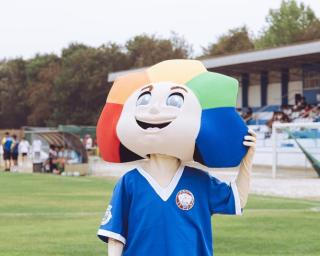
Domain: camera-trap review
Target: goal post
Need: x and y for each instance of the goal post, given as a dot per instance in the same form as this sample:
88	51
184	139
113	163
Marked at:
286	128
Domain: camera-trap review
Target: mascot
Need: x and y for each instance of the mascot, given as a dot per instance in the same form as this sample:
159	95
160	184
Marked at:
172	116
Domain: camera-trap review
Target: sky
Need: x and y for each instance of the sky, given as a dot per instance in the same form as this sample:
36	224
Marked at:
47	26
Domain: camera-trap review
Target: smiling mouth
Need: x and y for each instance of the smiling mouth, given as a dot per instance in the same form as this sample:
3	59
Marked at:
146	126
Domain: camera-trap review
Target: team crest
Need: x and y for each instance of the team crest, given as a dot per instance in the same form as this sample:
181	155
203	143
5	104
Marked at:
185	200
107	217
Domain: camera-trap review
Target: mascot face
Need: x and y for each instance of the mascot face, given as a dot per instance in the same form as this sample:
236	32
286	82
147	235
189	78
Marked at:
175	108
158	113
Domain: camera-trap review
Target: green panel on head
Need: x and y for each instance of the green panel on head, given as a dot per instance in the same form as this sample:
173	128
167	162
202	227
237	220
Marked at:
214	90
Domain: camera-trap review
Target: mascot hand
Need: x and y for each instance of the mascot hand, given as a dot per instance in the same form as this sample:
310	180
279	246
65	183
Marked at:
250	141
243	177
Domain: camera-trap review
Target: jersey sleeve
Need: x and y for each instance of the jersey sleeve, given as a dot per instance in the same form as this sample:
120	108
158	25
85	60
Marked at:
114	223
224	198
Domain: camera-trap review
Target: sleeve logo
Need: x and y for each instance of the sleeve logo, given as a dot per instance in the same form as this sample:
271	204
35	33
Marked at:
108	215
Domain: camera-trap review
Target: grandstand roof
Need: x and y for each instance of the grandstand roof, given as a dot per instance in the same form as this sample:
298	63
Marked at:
254	61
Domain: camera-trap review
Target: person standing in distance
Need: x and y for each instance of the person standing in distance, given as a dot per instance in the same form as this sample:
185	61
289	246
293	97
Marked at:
6	145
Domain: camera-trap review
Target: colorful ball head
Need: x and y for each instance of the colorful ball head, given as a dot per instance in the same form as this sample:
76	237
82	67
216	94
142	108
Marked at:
175	108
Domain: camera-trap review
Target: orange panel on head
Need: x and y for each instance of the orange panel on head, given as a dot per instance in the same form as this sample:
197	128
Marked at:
176	71
124	86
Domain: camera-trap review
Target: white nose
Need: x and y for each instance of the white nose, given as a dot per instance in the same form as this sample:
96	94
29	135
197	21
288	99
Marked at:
154	109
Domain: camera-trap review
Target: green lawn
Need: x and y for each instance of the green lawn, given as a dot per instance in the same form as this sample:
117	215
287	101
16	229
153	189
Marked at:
53	215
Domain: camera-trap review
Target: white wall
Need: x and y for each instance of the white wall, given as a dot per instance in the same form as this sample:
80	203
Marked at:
294	87
274	94
239	98
254	95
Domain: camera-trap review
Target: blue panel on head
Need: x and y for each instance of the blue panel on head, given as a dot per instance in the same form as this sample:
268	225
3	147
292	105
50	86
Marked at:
219	143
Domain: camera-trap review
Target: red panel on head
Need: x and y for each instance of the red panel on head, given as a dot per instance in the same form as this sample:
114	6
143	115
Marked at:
107	138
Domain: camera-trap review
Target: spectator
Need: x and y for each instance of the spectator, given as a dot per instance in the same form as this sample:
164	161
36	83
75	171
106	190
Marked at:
6	146
278	117
307	111
287	110
62	159
24	148
295	112
301	104
88	143
53	157
247	114
15	153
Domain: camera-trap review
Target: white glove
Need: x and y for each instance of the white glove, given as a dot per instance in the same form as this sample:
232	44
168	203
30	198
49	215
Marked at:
243	177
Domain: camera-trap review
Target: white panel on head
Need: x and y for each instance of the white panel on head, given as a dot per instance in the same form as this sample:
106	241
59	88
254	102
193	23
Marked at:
177	138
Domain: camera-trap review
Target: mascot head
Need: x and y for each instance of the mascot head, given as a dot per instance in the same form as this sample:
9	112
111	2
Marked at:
175	108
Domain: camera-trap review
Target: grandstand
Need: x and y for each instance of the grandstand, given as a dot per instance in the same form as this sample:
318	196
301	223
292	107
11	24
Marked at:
277	85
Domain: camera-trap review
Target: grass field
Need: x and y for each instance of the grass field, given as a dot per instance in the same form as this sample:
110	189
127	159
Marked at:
53	215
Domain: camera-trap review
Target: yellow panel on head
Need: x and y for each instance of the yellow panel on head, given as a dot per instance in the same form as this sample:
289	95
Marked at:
124	86
176	71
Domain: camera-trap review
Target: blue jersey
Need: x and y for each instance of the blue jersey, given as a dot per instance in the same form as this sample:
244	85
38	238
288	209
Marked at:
7	143
151	220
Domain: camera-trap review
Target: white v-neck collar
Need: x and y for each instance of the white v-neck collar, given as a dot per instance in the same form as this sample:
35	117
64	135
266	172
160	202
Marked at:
163	192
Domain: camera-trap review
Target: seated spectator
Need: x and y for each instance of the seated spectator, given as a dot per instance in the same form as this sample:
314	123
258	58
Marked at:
53	157
278	117
247	114
62	159
300	102
88	143
287	110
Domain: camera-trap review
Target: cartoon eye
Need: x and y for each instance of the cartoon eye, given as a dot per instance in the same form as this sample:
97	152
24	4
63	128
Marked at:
175	100
144	99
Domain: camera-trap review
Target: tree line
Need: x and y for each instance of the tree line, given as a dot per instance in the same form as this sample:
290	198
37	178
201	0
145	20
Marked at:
48	90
